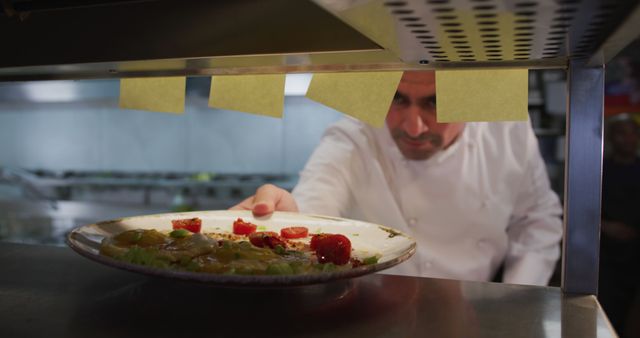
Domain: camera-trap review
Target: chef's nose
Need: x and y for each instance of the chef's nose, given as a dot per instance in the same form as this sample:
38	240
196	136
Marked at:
413	124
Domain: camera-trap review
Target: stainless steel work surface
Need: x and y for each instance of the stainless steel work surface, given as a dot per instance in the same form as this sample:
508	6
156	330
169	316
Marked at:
53	292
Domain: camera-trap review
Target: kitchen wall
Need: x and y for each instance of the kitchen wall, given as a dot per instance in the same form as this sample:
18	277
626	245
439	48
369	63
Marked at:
96	135
76	125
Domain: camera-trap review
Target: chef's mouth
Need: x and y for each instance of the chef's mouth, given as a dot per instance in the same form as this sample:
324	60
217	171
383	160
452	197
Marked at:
416	143
420	141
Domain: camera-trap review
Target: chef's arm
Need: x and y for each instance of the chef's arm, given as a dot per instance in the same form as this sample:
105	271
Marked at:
323	185
535	227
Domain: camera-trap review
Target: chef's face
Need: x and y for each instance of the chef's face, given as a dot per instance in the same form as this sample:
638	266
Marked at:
412	118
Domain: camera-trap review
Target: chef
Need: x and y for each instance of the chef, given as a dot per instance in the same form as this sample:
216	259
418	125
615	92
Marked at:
475	195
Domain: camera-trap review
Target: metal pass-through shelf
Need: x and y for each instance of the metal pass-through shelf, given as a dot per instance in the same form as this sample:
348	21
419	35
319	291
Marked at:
73	40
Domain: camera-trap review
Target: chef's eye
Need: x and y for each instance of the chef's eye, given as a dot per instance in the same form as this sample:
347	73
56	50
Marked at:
400	99
429	102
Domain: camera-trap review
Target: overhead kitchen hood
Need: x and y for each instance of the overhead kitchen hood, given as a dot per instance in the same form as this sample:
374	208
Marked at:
139	38
114	39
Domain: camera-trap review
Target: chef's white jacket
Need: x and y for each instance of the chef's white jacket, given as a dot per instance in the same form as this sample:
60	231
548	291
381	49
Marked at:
482	201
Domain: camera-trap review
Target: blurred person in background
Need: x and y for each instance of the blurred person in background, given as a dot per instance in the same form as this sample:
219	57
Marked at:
620	240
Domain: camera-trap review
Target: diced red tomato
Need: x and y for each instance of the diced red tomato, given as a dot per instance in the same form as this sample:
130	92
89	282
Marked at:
332	248
240	227
192	224
315	239
294	232
268	239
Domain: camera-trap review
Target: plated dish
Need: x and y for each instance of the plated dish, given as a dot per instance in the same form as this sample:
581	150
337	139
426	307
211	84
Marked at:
234	248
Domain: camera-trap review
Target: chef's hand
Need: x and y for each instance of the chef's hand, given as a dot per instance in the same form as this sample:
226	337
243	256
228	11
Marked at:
268	198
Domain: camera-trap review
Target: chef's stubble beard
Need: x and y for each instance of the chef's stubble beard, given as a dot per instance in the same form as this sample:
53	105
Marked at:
435	140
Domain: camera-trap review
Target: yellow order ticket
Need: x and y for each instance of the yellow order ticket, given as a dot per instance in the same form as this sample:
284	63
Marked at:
482	95
160	94
363	95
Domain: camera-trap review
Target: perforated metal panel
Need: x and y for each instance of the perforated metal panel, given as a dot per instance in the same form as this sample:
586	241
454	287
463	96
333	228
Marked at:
64	40
443	31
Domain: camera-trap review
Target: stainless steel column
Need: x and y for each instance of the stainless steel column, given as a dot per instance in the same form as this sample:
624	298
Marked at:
583	178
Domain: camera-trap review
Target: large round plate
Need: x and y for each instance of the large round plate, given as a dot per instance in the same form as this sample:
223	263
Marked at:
367	239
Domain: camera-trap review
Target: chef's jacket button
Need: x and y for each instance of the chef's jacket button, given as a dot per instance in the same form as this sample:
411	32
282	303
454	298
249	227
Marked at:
412	221
427	264
481	243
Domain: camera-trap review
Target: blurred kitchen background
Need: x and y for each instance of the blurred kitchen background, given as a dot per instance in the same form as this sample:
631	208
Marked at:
69	156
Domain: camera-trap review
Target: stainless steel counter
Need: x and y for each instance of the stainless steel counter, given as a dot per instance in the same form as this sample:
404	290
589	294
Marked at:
53	292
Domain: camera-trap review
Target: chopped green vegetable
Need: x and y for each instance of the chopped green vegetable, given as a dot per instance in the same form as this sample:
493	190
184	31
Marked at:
147	257
279	249
261	228
328	267
295	253
370	260
296	266
179	233
185	260
137	237
279	269
192	266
